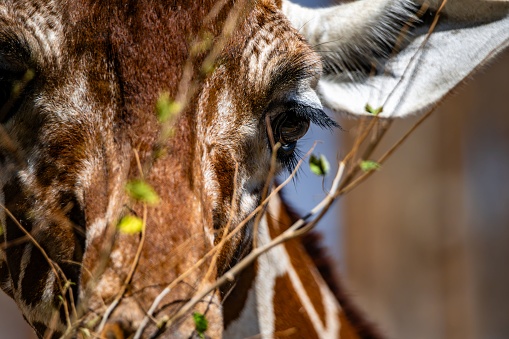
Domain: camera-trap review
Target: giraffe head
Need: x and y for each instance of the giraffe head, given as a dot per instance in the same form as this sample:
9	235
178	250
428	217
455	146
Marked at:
86	125
80	86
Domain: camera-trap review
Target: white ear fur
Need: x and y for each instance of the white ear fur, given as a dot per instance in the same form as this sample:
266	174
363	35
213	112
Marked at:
350	37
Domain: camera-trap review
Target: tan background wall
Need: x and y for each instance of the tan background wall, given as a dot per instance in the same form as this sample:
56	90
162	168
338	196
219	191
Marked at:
12	325
426	240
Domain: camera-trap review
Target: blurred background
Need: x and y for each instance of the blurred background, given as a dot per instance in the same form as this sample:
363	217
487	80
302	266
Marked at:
425	242
423	245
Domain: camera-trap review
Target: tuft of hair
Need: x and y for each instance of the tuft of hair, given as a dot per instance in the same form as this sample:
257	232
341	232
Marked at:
372	44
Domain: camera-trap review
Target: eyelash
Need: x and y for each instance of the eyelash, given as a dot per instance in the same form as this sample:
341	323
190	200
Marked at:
289	126
289	161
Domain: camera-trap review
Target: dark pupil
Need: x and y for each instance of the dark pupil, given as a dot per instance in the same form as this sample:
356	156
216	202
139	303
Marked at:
293	129
288	128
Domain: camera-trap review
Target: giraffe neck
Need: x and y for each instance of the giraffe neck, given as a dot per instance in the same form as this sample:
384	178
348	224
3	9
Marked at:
284	294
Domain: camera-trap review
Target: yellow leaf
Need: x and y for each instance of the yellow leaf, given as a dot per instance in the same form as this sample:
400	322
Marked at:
130	224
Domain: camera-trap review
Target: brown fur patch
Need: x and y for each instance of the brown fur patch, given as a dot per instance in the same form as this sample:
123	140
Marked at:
301	263
347	330
289	312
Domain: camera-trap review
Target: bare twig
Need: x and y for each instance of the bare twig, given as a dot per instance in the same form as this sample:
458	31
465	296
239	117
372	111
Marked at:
233	210
421	47
349	185
268	183
184	275
129	277
136	260
298	228
54	267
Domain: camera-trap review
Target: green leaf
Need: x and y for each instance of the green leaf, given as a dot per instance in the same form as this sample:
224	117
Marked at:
370	165
142	191
1	230
130	224
200	323
374	111
319	165
166	108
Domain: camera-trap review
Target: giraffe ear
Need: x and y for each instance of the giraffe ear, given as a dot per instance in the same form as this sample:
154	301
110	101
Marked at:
368	66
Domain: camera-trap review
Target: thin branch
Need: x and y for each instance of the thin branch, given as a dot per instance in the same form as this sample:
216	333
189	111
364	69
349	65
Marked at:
233	210
268	182
136	260
348	186
51	263
184	275
421	47
298	228
129	277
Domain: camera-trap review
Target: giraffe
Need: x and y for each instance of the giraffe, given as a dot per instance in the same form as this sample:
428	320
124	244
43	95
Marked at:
81	83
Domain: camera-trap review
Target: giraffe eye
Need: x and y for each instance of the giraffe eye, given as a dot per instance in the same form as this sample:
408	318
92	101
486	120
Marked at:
289	121
288	128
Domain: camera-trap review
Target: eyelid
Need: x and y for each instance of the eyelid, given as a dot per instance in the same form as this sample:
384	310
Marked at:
308	98
316	115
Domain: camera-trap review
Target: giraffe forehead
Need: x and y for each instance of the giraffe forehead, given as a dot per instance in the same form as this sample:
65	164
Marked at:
275	49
